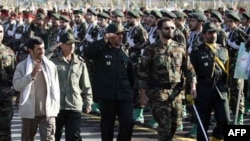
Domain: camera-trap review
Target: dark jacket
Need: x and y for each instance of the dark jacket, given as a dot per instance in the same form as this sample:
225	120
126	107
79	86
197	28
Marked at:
112	76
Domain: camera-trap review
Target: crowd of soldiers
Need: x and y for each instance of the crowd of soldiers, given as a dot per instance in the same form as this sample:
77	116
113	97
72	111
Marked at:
90	25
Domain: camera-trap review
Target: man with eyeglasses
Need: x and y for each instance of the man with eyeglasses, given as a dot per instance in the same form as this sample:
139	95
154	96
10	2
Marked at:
160	79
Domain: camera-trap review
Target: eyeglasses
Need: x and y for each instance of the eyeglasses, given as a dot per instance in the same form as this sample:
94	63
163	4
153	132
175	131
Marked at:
168	28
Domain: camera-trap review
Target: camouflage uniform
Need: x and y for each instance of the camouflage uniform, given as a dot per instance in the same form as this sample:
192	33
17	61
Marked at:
160	70
7	66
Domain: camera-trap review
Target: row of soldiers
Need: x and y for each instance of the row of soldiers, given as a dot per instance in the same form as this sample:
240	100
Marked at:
90	25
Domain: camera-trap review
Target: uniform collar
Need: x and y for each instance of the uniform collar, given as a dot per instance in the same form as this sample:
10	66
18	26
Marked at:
75	59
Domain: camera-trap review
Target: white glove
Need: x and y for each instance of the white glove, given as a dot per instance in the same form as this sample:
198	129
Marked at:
89	38
131	42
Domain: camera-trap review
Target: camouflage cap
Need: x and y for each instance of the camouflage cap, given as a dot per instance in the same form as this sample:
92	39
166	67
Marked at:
68	38
209	27
115	28
118	13
180	14
92	11
198	16
168	14
65	18
233	15
246	15
156	13
103	15
217	15
133	13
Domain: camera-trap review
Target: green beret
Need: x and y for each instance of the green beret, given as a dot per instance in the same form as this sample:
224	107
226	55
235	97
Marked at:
92	11
233	15
65	18
103	15
197	11
133	13
198	16
68	38
146	12
208	27
139	12
168	14
246	15
180	14
217	15
40	16
156	13
115	28
78	11
56	16
118	13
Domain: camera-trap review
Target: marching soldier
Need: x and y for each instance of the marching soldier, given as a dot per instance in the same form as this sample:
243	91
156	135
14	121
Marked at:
136	36
154	16
103	22
164	83
233	42
210	60
7	68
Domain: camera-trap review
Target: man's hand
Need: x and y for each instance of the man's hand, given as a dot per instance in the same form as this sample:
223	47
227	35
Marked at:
108	35
88	109
36	69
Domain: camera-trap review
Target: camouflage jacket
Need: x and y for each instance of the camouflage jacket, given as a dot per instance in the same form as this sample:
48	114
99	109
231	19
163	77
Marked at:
163	65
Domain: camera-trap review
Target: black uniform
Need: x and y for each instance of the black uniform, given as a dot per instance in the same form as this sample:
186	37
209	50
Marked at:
211	88
112	87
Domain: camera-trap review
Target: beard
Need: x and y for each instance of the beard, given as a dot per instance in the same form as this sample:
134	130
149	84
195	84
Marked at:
168	36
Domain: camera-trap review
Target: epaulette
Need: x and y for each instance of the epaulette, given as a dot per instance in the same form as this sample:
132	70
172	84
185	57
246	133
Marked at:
80	58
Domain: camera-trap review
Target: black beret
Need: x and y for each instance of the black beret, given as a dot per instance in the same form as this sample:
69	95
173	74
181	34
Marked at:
92	10
168	14
233	15
217	15
208	27
198	16
103	15
133	13
115	28
65	18
146	12
78	11
156	13
118	13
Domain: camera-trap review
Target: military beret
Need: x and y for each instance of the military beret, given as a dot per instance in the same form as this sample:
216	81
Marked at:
115	28
92	11
197	11
78	11
208	27
68	38
246	15
217	15
40	16
168	14
103	15
65	18
139	12
56	16
180	14
233	15
146	12
156	13
198	16
133	13
118	13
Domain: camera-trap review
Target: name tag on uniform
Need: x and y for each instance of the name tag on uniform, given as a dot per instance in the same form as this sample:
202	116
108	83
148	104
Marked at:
206	64
108	56
108	63
204	57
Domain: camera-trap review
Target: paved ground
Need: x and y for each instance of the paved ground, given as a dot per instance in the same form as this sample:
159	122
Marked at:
90	129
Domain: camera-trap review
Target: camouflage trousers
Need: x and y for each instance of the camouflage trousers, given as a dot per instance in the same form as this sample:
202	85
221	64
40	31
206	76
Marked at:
235	86
166	114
